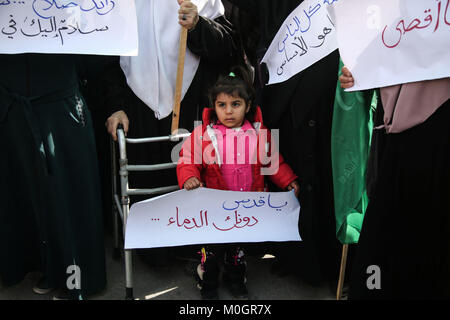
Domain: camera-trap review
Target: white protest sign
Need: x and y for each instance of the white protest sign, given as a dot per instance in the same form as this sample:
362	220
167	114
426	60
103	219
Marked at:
388	42
204	215
106	27
306	36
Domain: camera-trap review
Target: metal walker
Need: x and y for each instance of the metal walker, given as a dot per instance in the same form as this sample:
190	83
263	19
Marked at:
121	198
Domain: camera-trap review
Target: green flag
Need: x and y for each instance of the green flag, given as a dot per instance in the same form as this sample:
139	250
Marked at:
350	144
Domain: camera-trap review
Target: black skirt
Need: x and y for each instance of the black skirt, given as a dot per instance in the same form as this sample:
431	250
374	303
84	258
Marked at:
404	247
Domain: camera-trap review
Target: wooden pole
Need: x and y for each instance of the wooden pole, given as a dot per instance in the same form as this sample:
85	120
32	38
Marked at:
179	81
342	272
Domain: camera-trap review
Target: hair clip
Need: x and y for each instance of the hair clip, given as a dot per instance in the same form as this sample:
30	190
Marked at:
232	74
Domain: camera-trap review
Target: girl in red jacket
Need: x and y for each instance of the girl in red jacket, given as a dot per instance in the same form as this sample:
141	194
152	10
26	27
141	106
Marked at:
231	150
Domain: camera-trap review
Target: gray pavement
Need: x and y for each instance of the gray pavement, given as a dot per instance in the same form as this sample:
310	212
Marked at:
175	282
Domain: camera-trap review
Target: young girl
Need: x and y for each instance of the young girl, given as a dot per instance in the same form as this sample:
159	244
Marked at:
230	152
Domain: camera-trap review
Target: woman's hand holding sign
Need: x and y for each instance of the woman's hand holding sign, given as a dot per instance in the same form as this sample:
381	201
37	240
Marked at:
346	78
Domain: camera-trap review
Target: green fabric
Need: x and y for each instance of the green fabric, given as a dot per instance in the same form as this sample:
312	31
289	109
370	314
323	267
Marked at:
350	144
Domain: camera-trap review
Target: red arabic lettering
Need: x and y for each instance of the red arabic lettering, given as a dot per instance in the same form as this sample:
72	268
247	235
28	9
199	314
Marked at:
186	221
237	222
394	45
415	24
445	14
192	223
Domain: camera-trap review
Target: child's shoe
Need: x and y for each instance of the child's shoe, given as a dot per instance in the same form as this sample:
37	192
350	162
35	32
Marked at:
236	285
234	274
207	276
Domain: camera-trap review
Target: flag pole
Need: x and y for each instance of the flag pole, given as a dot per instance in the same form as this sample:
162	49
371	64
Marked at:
179	80
342	272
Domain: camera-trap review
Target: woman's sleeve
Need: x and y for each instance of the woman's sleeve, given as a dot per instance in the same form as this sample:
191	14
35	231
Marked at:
247	5
214	40
114	87
103	82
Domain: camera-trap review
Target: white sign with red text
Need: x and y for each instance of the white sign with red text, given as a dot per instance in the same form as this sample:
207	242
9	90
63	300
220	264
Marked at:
388	42
205	215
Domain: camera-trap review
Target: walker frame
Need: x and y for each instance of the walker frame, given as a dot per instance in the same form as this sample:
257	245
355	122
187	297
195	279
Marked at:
121	198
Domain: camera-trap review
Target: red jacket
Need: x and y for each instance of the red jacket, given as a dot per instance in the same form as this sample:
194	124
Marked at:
198	158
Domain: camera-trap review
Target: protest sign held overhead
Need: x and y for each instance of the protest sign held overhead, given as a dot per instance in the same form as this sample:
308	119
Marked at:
212	216
386	43
305	37
105	27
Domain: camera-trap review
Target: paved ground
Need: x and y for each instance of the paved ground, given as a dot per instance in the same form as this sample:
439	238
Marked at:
175	282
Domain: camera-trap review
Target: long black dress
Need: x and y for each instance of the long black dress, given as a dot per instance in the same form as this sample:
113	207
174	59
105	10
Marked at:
404	247
50	217
302	108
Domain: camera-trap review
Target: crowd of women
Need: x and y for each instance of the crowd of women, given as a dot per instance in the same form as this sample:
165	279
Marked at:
55	153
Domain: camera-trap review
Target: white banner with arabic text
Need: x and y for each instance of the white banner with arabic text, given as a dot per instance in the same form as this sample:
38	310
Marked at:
388	42
204	216
306	36
104	27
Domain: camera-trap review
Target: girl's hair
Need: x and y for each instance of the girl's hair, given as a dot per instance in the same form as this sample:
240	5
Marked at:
237	83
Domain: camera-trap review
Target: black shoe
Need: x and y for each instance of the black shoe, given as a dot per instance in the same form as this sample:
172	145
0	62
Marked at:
42	286
208	293
207	283
66	294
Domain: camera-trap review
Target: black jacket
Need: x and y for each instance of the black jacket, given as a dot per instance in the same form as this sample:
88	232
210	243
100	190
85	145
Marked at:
302	109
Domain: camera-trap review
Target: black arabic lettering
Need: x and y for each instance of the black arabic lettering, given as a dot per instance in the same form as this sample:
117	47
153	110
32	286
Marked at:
282	68
329	19
91	31
12	28
288	59
44	27
325	31
301	45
